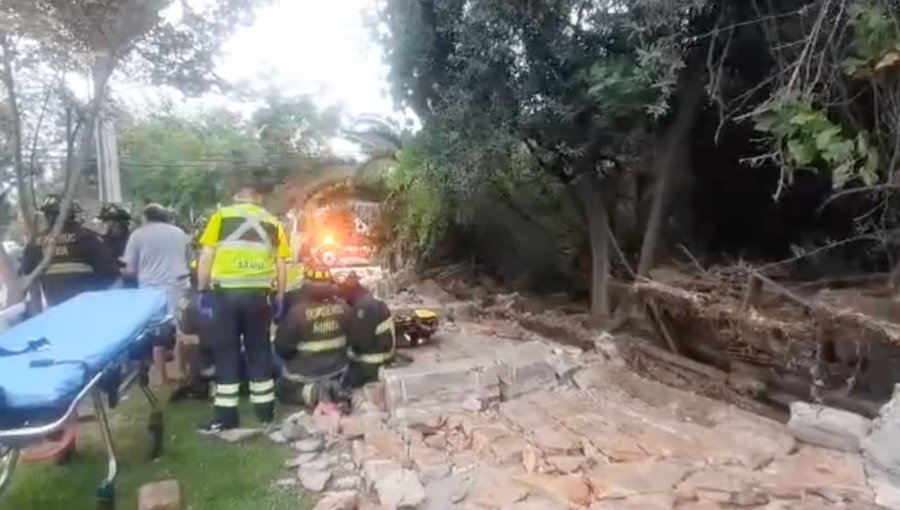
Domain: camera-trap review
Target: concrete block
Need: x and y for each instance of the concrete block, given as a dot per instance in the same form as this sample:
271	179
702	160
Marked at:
453	381
828	427
525	368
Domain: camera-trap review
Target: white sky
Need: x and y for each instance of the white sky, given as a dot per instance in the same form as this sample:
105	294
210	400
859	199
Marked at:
320	47
316	46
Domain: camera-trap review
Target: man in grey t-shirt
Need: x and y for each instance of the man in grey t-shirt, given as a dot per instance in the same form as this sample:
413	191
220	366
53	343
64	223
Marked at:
157	255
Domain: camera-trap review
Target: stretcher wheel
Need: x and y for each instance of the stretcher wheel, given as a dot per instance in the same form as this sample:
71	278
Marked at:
106	496
155	435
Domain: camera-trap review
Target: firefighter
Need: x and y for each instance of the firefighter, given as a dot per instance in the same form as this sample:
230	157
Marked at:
372	339
80	262
311	342
118	228
243	248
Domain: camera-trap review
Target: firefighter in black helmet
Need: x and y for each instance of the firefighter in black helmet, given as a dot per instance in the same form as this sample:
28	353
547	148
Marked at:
80	261
118	227
371	332
312	342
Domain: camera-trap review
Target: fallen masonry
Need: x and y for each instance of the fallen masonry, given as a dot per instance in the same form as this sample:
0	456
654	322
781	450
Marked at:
483	422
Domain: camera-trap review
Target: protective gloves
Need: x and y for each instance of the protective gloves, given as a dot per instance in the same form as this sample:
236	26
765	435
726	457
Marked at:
277	308
205	304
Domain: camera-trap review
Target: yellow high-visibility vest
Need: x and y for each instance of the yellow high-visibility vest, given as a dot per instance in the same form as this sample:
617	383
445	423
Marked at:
294	276
244	261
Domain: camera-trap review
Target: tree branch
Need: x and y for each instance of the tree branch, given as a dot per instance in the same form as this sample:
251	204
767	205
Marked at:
73	176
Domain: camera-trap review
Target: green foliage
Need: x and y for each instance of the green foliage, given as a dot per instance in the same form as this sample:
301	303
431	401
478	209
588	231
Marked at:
809	140
875	40
192	163
574	80
205	467
181	162
417	209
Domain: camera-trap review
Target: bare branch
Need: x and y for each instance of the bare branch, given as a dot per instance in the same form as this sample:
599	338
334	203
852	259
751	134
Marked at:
73	176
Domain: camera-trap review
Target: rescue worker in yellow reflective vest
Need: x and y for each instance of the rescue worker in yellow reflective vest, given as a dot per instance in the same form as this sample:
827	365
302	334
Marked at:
80	261
311	341
295	272
372	340
243	248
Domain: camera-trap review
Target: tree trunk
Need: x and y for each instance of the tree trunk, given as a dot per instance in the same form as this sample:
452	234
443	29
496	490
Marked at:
675	140
594	206
26	208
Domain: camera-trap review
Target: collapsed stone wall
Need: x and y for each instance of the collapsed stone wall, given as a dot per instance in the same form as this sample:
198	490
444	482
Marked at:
819	350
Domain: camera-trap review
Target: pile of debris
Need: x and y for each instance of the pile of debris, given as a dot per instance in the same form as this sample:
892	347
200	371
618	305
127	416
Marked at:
796	343
414	439
536	427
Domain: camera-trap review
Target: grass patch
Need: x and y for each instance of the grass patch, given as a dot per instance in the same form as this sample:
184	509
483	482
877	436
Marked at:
214	475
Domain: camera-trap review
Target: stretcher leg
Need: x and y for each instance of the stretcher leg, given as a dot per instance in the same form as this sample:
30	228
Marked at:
9	460
106	494
155	429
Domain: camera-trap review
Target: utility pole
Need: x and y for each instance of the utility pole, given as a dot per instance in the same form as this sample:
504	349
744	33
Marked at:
108	177
106	150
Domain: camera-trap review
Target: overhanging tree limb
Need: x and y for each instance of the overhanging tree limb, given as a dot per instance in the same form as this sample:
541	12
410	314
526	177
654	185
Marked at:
73	176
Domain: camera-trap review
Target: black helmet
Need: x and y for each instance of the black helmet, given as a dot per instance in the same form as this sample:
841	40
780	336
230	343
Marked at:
53	203
114	212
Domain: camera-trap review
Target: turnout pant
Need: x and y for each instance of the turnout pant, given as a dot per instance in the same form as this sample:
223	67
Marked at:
312	393
242	318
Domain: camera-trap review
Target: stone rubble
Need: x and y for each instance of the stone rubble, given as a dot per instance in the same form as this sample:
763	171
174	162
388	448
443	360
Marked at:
344	500
238	435
309	445
882	453
400	489
314	480
482	422
164	495
827	427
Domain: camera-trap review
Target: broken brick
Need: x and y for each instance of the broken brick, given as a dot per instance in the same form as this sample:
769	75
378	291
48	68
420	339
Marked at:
509	449
483	437
554	441
616	481
352	427
649	502
501	494
568	489
386	443
566	463
165	495
525	415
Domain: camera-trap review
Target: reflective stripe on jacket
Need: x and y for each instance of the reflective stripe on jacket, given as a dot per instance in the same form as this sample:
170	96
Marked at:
312	339
372	334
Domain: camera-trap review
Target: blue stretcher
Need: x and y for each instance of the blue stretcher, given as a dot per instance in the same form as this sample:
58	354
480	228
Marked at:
95	344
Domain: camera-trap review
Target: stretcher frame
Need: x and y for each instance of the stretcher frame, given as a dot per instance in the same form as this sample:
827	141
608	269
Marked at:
132	370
